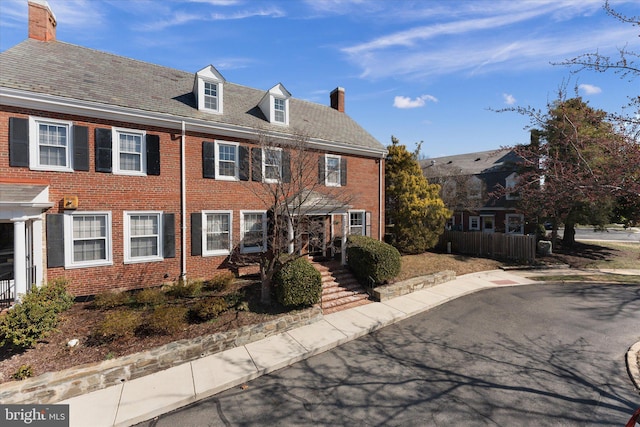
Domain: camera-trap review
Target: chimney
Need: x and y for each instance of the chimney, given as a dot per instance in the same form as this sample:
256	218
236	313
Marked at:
337	99
42	21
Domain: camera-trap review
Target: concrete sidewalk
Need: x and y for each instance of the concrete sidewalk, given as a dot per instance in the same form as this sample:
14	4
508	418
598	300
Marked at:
143	398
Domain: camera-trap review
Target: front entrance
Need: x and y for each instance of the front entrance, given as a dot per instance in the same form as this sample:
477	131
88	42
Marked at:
313	235
7	289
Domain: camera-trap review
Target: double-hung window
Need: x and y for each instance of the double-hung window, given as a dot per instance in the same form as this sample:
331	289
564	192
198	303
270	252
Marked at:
515	223
279	110
216	232
272	164
88	239
211	96
129	152
51	147
332	171
357	223
253	229
474	223
226	163
143	236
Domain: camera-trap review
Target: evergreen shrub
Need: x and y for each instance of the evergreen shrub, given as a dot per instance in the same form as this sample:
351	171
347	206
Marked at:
372	262
298	283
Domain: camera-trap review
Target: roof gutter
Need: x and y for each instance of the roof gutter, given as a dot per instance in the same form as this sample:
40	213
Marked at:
58	104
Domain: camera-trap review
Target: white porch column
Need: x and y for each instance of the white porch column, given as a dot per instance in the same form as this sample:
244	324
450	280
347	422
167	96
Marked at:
345	230
37	251
290	235
19	258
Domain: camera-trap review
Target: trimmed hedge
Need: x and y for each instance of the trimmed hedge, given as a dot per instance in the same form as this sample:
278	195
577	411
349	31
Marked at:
298	283
372	260
36	315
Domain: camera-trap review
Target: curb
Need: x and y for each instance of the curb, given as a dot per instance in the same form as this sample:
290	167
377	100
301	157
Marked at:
632	364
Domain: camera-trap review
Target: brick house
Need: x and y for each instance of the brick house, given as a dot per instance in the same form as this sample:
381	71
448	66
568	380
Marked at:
466	182
121	174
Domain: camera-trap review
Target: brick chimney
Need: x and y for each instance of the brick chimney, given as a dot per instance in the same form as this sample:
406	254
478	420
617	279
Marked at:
337	99
42	21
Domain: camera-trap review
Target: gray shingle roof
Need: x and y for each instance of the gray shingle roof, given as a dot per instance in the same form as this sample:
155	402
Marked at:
470	163
70	71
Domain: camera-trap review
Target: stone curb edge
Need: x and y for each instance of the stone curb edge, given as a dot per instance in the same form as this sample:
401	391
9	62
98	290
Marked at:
632	364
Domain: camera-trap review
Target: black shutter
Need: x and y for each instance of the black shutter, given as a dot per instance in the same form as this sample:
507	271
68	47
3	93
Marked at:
321	161
55	240
103	150
169	235
343	171
243	159
80	148
18	142
256	164
208	159
153	155
196	234
286	166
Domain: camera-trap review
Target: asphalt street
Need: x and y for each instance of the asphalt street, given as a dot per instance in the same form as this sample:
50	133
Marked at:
537	355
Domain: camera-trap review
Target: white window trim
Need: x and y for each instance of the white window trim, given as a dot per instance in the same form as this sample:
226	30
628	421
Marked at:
236	176
68	241
34	152
510	183
264	233
520	217
475	188
364	220
219	252
264	157
201	95
127	238
285	122
471	227
326	170
115	158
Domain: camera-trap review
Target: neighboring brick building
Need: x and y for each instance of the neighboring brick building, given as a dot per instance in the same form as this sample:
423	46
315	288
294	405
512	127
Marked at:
116	173
466	182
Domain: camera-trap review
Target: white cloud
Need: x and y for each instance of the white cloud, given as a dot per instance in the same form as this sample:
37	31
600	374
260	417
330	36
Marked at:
508	99
406	102
589	89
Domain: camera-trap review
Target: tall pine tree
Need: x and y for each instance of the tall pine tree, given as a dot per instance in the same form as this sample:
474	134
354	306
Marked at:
414	210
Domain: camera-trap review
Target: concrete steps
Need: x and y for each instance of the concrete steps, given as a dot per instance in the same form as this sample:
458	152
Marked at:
340	289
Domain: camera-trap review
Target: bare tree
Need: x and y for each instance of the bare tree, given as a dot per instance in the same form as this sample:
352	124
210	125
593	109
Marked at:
289	178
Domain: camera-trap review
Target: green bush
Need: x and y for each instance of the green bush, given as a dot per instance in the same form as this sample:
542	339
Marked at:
36	315
298	283
186	290
372	261
165	320
111	299
234	299
23	372
118	324
150	297
208	308
221	282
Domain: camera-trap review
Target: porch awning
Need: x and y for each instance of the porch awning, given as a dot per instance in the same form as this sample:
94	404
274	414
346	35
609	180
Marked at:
24	194
310	202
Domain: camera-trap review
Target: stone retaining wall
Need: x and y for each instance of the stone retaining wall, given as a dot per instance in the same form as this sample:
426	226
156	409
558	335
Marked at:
385	292
54	387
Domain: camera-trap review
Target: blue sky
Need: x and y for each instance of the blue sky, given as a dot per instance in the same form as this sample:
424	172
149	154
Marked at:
429	70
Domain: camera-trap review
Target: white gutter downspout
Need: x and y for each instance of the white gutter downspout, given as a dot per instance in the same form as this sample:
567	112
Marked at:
380	193
183	203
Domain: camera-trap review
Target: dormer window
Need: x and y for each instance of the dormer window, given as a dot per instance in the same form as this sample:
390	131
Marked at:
280	110
208	89
511	182
275	105
211	96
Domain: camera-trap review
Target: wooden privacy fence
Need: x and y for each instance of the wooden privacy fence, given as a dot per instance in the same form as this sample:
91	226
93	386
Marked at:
493	245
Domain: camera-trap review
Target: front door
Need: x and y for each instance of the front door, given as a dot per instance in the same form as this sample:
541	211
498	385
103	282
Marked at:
7	291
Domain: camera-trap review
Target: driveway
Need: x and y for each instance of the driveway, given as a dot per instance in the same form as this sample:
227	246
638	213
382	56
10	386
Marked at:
538	355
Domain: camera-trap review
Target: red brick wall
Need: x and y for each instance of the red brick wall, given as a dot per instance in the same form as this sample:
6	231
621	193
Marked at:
117	193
